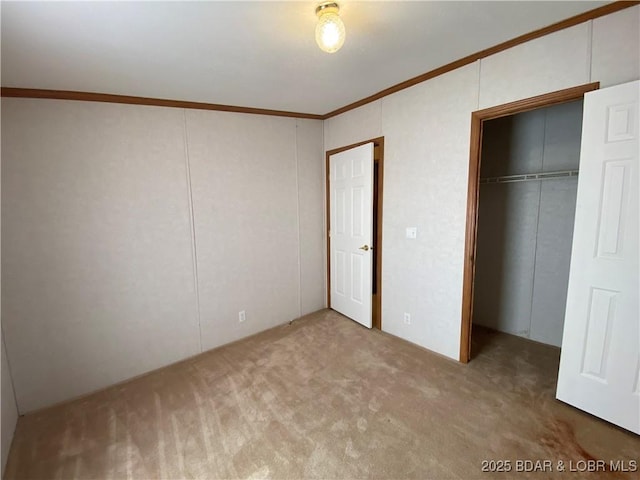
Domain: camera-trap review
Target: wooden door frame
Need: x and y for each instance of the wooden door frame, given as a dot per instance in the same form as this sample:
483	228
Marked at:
477	119
376	311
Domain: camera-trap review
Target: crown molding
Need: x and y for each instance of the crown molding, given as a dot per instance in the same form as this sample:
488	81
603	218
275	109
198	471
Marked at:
156	102
159	102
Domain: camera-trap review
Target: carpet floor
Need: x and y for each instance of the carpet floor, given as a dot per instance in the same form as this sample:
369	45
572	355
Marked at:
326	398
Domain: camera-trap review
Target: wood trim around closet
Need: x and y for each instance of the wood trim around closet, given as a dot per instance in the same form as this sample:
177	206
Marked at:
477	119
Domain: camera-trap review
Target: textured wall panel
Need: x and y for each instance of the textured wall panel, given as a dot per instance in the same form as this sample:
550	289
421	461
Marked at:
513	145
309	143
97	272
9	408
562	136
506	256
553	62
427	131
243	171
555	235
616	48
563	133
357	125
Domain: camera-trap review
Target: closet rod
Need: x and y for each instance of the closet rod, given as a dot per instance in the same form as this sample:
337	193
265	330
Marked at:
530	176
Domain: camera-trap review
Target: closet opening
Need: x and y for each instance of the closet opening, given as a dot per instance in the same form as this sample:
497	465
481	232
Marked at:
524	166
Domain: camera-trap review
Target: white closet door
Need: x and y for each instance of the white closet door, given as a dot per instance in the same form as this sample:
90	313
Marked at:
600	359
351	233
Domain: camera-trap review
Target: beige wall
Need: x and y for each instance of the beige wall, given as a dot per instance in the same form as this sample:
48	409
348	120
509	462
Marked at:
99	268
615	48
9	414
427	130
309	141
9	409
245	214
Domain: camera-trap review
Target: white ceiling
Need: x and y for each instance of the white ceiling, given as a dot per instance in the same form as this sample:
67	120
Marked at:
251	54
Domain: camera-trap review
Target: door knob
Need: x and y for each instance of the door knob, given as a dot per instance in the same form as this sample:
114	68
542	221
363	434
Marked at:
365	248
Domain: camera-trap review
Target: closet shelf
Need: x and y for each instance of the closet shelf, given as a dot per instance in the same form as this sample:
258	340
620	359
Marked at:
530	176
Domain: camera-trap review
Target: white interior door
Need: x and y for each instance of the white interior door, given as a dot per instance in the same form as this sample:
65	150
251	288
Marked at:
351	232
600	359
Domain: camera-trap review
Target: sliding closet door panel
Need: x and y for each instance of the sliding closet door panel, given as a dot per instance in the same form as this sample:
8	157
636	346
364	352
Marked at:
553	254
508	220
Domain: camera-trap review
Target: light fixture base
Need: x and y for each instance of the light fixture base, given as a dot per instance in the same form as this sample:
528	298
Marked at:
327	7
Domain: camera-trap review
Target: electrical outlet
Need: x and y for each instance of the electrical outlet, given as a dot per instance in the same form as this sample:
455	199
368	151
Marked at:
242	316
407	318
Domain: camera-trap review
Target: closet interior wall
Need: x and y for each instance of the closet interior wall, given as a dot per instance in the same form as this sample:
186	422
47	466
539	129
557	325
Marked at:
525	228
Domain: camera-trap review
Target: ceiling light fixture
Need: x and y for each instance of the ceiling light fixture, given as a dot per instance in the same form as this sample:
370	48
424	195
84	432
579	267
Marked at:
330	31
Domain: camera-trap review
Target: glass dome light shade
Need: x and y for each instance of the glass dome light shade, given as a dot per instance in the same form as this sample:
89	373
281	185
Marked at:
330	31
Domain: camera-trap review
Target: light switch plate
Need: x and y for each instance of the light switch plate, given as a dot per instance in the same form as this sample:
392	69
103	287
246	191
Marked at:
412	232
